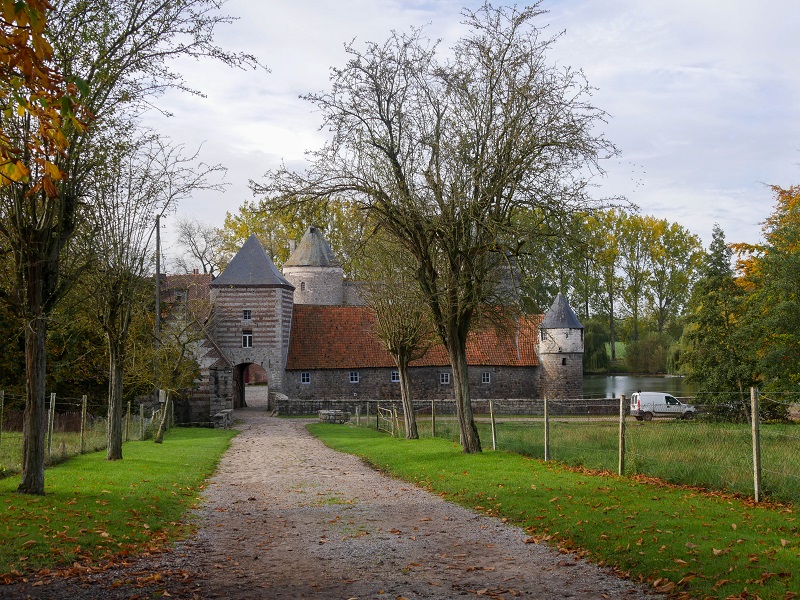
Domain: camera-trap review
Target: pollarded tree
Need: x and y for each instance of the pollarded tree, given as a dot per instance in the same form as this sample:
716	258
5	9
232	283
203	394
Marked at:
144	178
202	245
115	54
401	321
442	155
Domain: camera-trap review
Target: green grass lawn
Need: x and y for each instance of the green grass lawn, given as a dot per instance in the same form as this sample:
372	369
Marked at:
683	541
97	510
701	453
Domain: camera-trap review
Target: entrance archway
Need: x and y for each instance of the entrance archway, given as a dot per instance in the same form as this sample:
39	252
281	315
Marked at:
250	386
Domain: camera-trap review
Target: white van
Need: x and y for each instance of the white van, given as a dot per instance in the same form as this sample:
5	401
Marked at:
646	405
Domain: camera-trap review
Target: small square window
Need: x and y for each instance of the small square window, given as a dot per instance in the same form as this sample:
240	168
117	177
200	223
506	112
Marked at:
246	315
353	376
247	338
305	377
444	378
486	377
395	376
302	286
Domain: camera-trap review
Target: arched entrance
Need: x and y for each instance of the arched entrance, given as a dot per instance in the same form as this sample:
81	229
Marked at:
250	386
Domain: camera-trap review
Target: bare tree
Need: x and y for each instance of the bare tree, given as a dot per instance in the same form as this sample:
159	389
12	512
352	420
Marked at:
202	244
442	155
143	179
401	320
114	54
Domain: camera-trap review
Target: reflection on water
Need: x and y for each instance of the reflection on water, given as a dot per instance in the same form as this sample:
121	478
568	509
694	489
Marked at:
612	386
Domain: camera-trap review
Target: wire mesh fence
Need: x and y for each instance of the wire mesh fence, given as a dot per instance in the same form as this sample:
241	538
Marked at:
73	426
715	450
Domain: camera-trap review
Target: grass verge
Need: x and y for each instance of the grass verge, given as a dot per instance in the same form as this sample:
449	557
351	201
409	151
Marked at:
96	510
682	541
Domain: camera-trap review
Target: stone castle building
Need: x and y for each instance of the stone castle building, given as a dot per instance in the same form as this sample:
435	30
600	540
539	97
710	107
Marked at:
306	334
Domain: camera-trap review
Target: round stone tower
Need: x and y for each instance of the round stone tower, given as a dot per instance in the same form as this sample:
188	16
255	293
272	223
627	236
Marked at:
314	271
561	352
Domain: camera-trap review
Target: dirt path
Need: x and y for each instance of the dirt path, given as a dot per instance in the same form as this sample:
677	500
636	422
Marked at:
286	517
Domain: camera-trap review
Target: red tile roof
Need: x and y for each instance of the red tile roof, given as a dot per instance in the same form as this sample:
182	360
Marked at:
342	337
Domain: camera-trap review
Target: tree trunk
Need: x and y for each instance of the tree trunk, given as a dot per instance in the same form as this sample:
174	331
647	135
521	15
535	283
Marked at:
114	429
33	427
162	426
408	405
457	349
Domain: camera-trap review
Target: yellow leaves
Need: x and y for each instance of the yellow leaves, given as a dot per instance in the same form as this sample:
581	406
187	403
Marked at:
13	171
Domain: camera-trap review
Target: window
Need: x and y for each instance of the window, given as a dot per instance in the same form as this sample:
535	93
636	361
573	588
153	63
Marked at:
543	333
305	377
395	376
564	362
247	338
353	376
486	377
302	286
444	378
246	314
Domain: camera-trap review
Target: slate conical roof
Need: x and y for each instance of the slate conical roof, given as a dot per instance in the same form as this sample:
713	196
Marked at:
312	251
560	316
251	267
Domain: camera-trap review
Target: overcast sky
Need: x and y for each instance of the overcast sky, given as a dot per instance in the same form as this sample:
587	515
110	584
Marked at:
704	96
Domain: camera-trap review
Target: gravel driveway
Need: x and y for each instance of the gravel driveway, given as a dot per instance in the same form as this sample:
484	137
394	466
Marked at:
286	517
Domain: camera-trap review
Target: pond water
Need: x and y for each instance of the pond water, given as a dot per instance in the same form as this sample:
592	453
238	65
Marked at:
612	386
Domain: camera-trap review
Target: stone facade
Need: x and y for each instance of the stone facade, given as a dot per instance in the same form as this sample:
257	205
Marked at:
426	383
309	337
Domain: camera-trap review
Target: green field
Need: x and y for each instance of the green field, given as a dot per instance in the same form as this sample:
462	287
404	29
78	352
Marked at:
681	541
700	453
97	510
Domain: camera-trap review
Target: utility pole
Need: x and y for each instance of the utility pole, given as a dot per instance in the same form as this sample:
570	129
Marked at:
158	278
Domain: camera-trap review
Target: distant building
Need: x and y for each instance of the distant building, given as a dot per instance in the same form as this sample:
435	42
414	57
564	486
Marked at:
307	335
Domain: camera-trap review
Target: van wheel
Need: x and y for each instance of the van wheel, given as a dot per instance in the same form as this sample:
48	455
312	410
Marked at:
688	415
648	416
638	418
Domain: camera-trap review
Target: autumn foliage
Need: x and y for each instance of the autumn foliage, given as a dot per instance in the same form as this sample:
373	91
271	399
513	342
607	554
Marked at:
32	91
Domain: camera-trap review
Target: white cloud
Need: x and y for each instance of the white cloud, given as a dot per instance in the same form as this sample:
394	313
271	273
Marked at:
703	95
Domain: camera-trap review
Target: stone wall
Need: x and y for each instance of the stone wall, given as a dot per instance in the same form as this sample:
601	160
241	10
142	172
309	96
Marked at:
505	406
561	375
316	285
376	384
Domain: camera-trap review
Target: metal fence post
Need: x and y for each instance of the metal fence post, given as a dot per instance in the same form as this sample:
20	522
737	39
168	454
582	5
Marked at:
621	467
546	431
754	418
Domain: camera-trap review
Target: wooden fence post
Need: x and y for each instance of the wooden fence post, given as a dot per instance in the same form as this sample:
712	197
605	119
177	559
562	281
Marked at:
128	422
83	424
621	467
754	418
50	419
141	421
546	431
2	400
494	431
433	418
377	416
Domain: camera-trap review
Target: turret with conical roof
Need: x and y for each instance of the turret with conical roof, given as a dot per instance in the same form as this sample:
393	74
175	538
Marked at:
314	271
561	351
